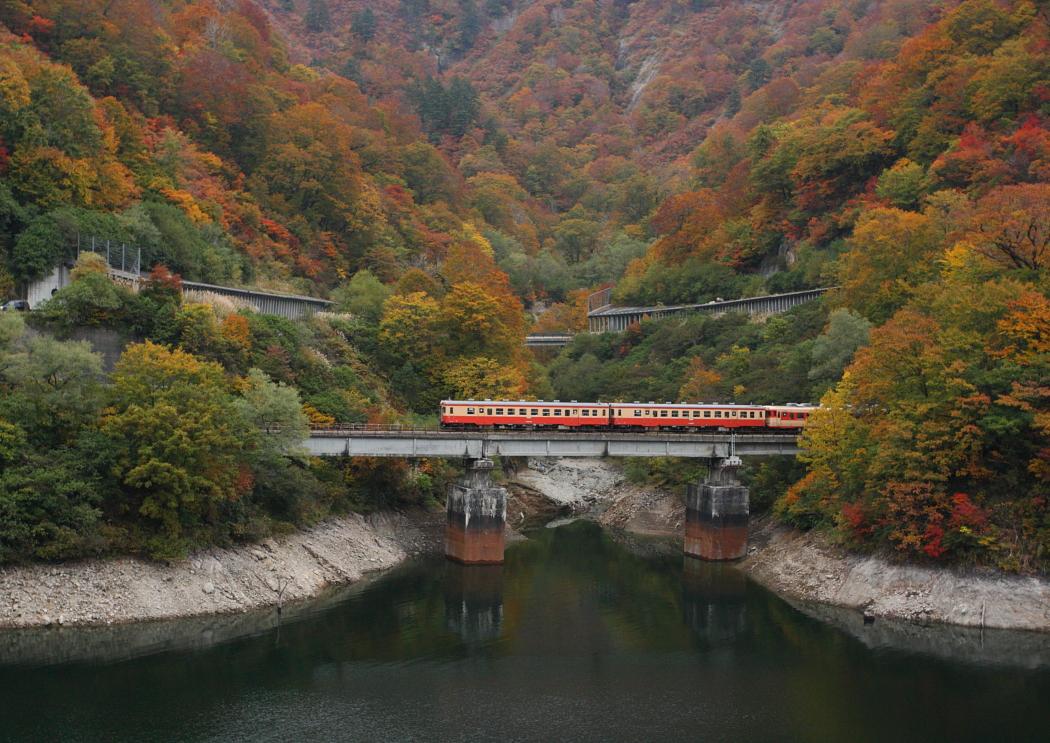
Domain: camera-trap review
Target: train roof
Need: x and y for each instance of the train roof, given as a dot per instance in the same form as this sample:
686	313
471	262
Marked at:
712	405
719	405
522	402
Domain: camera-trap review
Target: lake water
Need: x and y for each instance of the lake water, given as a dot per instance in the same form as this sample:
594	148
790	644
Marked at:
576	637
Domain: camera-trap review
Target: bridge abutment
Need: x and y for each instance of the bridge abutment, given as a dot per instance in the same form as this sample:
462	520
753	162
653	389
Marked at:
475	515
716	515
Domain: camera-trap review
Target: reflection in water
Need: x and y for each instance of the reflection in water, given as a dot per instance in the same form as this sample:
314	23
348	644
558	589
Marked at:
474	601
575	637
714	600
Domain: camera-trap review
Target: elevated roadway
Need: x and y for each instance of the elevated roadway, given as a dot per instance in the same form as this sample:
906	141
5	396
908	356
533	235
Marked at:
366	442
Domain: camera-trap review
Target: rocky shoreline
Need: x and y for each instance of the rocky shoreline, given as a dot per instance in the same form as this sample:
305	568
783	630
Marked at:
806	569
275	572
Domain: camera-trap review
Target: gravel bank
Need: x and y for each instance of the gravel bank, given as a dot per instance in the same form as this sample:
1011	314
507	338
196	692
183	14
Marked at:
218	581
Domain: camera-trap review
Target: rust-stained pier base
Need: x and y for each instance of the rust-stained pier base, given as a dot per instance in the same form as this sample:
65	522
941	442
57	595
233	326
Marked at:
716	515
475	515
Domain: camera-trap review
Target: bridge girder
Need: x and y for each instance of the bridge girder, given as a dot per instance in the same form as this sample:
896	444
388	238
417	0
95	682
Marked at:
530	444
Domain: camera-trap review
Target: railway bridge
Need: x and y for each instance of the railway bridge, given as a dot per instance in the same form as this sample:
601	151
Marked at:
717	509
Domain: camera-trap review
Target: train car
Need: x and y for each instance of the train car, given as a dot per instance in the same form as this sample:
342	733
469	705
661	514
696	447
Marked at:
523	414
686	416
787	417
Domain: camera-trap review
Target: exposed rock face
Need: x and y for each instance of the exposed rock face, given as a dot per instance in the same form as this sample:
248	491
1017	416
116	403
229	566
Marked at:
805	566
573	483
271	573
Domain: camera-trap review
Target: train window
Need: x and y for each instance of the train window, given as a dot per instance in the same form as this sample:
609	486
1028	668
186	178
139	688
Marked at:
557	411
638	414
499	411
535	411
663	413
674	413
521	411
546	411
470	411
718	414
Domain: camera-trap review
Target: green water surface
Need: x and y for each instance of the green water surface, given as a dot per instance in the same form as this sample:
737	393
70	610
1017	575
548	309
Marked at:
576	637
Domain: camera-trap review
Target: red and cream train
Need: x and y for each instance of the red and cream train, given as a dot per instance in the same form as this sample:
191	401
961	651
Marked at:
620	416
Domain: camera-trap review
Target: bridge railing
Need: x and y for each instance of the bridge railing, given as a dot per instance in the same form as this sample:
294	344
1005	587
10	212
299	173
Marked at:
376	428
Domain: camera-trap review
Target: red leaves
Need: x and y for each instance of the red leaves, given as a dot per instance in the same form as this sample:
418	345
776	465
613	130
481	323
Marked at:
933	546
856	520
40	26
966	514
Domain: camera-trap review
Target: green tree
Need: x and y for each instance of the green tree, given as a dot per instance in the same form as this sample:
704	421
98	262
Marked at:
903	184
177	438
54	388
363	23
834	348
274	415
318	18
363	296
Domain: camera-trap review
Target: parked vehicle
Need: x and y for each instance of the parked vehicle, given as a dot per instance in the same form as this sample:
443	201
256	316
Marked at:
15	305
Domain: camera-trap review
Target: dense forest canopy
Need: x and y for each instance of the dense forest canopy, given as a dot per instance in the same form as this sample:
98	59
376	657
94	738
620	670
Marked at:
439	167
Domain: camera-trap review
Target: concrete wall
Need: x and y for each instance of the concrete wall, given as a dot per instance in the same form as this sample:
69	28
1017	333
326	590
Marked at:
41	290
613	319
109	344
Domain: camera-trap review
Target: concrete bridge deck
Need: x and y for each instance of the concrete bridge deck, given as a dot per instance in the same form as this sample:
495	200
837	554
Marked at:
483	444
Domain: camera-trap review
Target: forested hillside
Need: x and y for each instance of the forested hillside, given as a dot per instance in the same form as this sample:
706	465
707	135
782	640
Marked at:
438	166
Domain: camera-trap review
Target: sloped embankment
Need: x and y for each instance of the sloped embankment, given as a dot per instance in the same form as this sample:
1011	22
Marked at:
807	567
216	581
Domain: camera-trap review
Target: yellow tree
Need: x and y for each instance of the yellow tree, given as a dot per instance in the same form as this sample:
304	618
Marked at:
481	377
891	251
700	382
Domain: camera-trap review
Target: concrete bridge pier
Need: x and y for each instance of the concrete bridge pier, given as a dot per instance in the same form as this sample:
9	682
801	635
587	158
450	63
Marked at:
475	515
716	514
